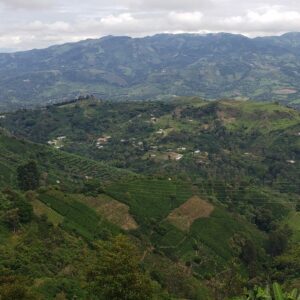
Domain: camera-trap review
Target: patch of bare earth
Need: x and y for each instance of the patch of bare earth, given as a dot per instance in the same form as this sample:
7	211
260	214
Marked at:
225	118
190	211
114	211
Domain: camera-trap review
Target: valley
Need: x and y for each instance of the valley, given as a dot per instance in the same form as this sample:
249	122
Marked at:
208	192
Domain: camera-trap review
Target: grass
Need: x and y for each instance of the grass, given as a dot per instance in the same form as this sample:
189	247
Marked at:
293	221
211	235
150	198
65	167
113	211
42	209
77	216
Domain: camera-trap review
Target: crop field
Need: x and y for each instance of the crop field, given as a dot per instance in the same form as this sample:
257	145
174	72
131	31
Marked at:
193	209
150	198
114	211
77	216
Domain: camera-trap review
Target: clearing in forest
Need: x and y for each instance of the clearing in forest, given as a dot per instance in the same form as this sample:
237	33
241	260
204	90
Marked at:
193	209
113	210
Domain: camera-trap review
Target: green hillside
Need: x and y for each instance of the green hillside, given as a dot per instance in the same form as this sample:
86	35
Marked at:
206	194
55	166
163	66
189	137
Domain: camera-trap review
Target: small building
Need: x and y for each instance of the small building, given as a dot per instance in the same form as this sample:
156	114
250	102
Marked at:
179	157
103	139
291	161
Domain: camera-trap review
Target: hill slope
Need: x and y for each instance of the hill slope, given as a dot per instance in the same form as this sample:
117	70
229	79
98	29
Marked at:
211	66
189	137
218	183
56	166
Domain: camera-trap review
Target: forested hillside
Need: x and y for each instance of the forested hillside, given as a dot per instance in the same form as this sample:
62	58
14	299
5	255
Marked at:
212	66
197	199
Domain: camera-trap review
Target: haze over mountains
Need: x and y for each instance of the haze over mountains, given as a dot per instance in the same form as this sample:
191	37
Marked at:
162	66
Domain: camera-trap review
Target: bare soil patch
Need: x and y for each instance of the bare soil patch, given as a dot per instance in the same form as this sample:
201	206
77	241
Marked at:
113	210
193	209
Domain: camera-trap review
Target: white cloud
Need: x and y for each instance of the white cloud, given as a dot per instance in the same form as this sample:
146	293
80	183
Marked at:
113	20
39	26
34	24
185	5
190	19
27	4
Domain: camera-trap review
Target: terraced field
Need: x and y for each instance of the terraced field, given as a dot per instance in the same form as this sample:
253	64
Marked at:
58	166
77	217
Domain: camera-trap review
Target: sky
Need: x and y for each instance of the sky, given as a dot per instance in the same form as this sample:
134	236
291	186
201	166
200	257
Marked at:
27	24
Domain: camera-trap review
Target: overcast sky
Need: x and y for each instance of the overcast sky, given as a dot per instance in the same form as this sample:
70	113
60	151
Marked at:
26	24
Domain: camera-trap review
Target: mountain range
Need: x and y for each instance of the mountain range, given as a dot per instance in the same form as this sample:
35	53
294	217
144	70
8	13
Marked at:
212	66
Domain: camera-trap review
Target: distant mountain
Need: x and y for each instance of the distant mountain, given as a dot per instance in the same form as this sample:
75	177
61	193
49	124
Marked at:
211	66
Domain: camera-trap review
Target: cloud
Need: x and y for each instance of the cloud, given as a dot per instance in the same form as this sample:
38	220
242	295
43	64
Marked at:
186	5
112	20
39	26
266	20
33	24
187	19
27	4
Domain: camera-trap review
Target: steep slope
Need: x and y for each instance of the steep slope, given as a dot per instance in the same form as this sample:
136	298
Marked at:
211	66
218	183
55	166
189	137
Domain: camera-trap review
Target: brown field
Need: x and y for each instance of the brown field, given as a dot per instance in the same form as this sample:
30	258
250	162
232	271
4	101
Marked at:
193	209
114	211
225	117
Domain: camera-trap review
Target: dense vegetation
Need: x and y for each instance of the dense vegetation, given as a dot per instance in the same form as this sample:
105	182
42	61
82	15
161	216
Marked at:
156	200
163	66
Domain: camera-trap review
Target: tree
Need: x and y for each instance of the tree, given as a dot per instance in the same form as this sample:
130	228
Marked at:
28	176
12	219
117	274
249	253
263	219
278	242
274	292
17	201
12	287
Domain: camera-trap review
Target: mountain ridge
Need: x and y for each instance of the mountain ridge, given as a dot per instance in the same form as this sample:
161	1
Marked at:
162	66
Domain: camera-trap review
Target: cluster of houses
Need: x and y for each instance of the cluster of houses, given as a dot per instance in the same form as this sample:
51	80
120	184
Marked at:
58	142
103	140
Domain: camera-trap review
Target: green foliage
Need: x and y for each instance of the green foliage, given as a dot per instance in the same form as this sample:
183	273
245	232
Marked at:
117	274
121	70
273	293
241	157
16	209
278	241
150	198
77	216
12	287
28	176
54	165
